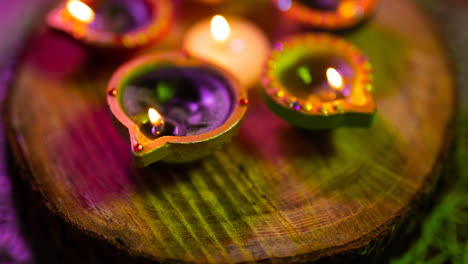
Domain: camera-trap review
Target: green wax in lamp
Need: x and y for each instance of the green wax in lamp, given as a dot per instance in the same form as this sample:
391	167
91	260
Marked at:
318	78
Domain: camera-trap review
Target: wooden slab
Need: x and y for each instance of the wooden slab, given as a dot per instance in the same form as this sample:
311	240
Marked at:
274	193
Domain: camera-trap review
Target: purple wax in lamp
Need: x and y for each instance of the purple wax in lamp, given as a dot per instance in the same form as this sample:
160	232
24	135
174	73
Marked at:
178	101
120	16
176	108
113	23
326	5
318	78
327	14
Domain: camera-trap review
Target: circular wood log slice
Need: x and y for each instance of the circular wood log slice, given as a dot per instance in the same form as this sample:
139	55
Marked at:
274	193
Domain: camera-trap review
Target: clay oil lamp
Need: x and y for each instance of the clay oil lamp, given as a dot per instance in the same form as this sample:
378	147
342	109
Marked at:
176	108
318	81
113	23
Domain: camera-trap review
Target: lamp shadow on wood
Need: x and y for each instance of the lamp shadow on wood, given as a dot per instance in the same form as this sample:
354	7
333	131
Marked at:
95	182
338	161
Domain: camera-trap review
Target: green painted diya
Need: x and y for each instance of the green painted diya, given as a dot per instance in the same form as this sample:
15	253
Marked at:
327	14
318	81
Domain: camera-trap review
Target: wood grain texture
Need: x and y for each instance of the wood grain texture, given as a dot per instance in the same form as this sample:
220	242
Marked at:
275	193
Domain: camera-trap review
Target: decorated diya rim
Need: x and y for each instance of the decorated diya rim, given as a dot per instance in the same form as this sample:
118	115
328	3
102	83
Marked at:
147	150
162	13
357	109
347	14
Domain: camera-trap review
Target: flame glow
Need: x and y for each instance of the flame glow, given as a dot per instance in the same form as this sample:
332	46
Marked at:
80	11
334	78
349	9
220	29
284	5
154	117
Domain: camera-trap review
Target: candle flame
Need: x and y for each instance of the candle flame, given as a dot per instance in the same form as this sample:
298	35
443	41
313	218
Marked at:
334	78
220	29
154	117
80	11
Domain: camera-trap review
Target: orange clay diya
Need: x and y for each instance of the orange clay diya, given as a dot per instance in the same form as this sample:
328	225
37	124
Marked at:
176	108
113	23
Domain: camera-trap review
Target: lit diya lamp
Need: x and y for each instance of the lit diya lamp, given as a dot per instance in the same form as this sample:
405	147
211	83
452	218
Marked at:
234	44
113	23
176	108
327	14
317	81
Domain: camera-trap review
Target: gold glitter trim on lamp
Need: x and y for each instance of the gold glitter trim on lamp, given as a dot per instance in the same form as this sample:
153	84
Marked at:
354	107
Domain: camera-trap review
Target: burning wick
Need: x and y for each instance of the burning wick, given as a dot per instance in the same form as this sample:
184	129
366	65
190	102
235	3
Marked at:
80	11
156	120
220	29
158	127
334	78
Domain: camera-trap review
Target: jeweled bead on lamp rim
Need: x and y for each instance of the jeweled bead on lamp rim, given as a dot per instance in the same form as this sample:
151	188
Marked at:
147	149
351	105
75	18
346	14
